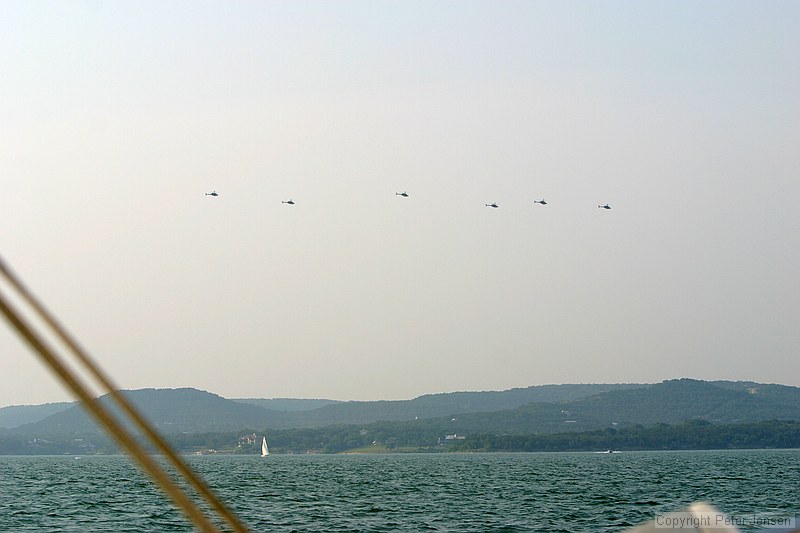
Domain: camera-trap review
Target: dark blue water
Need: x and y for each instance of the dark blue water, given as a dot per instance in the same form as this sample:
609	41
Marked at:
405	492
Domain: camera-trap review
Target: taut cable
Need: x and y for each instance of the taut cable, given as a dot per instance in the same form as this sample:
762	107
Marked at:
113	390
117	431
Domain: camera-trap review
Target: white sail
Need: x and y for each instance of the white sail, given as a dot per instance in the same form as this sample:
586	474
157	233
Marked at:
264	448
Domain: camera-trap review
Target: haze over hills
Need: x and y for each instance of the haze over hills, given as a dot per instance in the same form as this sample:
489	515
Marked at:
18	415
448	404
566	408
317	412
669	402
287	404
170	410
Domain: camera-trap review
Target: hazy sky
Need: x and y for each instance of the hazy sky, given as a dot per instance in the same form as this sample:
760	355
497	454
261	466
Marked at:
117	117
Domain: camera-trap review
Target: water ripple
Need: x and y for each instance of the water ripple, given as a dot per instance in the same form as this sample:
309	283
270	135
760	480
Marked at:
405	493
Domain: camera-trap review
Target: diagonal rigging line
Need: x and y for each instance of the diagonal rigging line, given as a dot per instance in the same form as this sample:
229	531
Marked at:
122	402
123	437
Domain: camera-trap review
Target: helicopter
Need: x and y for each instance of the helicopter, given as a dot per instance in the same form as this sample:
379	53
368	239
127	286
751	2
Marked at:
494	205
404	194
290	202
540	202
212	193
606	206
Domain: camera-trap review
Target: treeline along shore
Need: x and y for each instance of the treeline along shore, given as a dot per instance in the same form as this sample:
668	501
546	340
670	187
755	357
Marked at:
675	414
691	435
393	437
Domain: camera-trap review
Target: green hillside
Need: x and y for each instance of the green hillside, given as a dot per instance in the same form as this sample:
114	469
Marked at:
290	405
169	410
193	411
690	435
196	418
684	399
19	415
670	402
448	404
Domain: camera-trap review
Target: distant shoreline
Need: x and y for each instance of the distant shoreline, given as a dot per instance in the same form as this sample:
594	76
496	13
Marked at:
584	452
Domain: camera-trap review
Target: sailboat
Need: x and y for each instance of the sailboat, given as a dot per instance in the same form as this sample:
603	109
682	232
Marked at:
264	448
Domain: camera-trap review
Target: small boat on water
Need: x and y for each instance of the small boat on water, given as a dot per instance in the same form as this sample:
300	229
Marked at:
264	447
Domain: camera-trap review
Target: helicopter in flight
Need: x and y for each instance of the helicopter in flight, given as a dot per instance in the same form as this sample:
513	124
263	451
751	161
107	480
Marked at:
212	193
289	201
493	205
404	194
540	202
606	206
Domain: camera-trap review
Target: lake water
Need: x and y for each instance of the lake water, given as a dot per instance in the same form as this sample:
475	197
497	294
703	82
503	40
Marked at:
405	492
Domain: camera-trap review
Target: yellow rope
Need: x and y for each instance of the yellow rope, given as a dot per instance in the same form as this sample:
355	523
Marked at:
117	431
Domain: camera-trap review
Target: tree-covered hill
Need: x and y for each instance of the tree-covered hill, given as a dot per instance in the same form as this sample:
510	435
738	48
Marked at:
670	402
190	411
450	404
287	404
183	410
18	415
690	435
677	400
